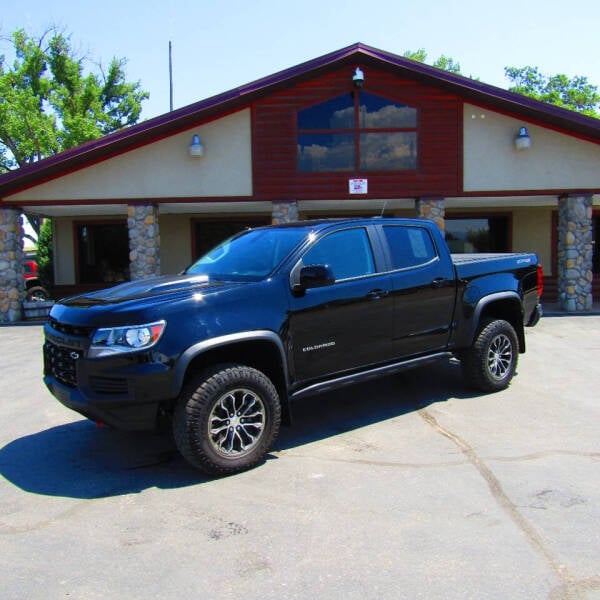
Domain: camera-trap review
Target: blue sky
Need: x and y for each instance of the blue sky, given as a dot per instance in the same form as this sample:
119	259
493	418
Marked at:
219	45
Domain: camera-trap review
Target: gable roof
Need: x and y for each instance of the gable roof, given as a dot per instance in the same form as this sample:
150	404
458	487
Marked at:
186	117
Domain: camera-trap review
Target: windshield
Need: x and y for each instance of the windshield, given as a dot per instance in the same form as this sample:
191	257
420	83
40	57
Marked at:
248	256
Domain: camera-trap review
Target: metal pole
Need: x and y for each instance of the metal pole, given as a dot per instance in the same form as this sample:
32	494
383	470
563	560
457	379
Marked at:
170	78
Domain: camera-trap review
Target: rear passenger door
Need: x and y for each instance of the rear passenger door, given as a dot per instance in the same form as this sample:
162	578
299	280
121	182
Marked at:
346	324
423	287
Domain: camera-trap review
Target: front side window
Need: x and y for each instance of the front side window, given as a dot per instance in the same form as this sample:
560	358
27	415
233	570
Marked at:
348	253
357	132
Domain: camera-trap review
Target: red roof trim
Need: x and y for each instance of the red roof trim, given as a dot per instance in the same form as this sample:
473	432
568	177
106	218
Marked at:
211	108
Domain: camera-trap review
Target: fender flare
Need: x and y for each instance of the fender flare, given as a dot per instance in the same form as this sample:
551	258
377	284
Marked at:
489	299
224	340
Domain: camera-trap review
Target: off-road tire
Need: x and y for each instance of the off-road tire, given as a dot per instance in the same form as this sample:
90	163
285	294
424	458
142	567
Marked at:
490	363
226	419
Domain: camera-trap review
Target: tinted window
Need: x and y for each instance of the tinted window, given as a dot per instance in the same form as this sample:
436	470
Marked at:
337	113
478	234
409	246
325	152
102	252
380	113
249	256
347	252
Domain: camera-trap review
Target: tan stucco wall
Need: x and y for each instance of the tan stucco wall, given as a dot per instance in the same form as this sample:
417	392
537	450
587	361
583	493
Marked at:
164	169
175	243
554	160
64	249
532	232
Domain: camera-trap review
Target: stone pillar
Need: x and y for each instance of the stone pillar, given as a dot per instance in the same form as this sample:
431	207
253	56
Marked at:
432	209
12	282
575	253
144	241
284	212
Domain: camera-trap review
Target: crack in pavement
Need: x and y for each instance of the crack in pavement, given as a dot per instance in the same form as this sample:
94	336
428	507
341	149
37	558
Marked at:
569	582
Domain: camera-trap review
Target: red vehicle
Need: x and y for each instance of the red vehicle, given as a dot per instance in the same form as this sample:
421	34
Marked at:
34	289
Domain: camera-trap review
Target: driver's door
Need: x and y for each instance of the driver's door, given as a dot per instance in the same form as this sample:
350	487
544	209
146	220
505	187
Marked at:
345	325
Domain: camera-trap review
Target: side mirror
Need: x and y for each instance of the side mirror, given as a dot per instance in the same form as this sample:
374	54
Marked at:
313	276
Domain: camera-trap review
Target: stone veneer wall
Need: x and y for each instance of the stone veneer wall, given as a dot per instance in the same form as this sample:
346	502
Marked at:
12	282
575	253
284	212
144	241
432	209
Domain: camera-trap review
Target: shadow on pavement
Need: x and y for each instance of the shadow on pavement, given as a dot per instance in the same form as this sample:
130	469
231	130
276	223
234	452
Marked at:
80	460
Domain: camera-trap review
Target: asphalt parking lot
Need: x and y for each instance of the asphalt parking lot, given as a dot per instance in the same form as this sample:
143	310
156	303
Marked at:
410	487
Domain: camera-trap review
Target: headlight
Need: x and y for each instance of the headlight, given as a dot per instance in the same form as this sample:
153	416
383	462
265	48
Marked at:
114	340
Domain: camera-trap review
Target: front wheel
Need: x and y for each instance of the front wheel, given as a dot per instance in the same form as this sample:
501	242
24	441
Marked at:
226	419
490	363
37	293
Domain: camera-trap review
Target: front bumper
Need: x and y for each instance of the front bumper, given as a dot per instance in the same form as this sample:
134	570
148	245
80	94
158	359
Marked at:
120	413
124	391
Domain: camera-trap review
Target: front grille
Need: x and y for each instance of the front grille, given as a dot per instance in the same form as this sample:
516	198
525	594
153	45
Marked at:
60	362
67	329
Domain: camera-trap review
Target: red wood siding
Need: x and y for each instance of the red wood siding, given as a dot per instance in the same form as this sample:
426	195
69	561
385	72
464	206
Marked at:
439	137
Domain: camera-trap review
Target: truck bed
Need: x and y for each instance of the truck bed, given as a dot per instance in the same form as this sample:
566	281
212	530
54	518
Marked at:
473	265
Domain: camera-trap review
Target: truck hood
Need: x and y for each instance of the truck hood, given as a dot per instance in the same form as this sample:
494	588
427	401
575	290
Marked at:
146	288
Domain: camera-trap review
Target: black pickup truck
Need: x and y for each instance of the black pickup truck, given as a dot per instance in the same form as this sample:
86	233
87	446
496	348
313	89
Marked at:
277	313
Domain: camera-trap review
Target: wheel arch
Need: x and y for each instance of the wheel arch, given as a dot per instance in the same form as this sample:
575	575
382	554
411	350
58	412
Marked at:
501	305
262	350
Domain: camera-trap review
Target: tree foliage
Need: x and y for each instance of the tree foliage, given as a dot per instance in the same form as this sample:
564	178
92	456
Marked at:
45	255
574	93
48	103
446	63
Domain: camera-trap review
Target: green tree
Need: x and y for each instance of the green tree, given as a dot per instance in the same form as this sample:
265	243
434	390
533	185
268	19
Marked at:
574	93
45	256
48	103
444	62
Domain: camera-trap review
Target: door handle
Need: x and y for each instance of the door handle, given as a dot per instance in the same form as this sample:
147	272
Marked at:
439	282
377	294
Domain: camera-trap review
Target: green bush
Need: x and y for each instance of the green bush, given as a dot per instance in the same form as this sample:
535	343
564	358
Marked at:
45	255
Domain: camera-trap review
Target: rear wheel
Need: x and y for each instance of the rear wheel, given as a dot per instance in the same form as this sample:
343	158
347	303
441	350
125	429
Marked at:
489	365
226	419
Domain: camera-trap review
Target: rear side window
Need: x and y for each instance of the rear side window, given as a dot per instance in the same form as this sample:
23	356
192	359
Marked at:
348	253
409	246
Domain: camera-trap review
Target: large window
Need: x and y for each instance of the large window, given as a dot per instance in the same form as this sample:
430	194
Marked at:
357	132
102	252
478	234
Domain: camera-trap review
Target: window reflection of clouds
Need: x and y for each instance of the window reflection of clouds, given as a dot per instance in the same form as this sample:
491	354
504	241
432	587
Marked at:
388	116
336	151
388	151
337	113
325	152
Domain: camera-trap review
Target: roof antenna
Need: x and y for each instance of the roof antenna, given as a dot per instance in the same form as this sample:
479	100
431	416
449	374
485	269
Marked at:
383	208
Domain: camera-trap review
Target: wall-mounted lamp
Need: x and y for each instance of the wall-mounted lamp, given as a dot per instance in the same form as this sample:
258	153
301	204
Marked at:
358	78
196	147
523	141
